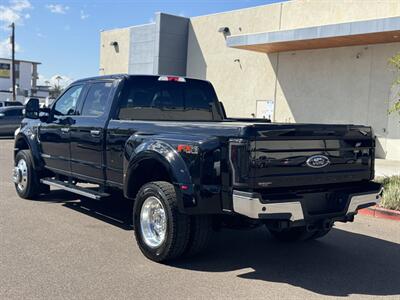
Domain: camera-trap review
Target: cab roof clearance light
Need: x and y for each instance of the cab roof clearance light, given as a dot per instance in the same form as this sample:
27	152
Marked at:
171	78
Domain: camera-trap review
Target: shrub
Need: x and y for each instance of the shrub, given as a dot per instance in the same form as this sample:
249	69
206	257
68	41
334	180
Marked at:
395	62
391	192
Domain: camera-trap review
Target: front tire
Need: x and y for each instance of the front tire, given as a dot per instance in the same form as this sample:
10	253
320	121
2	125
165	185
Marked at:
25	177
161	231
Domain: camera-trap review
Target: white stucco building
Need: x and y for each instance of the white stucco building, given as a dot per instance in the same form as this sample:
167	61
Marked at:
26	77
307	61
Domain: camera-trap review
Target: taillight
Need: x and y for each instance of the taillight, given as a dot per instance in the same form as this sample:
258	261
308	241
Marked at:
239	159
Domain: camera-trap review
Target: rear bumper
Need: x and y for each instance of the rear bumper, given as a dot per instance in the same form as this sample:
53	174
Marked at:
255	206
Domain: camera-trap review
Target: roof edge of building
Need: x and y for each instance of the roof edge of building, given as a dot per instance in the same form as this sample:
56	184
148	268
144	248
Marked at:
22	60
321	32
128	27
239	9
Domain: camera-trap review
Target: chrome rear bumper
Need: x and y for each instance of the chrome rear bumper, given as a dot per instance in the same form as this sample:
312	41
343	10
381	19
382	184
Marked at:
363	199
248	205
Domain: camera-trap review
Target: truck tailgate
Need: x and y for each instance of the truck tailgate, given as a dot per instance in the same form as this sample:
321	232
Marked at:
298	155
280	158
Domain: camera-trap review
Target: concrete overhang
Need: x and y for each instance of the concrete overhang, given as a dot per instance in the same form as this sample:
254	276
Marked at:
374	31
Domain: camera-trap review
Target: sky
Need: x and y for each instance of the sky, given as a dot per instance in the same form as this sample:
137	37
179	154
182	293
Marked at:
65	35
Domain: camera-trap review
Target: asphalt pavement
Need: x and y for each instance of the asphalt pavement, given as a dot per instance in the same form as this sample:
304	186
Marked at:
67	247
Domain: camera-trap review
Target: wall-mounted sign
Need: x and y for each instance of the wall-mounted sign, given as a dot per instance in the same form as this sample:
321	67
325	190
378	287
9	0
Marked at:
5	70
265	109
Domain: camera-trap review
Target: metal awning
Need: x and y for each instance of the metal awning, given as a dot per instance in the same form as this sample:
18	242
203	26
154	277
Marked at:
326	36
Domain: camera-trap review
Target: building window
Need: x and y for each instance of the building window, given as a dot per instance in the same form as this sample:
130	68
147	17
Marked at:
5	70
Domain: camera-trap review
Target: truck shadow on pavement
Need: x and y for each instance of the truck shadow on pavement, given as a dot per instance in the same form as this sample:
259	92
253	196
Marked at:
340	264
115	211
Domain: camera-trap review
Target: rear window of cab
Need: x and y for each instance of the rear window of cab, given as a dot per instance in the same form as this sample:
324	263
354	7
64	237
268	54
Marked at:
167	98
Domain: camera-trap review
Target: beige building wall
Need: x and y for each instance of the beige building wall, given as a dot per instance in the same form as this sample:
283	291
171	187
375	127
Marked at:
239	77
114	60
337	85
306	13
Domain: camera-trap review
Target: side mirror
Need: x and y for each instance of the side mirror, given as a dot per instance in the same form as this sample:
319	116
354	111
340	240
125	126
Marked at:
32	108
45	114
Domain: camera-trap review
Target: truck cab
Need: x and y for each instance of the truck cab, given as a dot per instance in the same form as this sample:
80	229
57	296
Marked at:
166	142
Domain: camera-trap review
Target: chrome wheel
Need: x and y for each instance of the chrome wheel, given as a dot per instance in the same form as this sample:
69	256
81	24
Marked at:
153	222
20	175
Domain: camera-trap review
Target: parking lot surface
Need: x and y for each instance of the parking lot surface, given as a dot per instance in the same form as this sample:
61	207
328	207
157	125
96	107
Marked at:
67	247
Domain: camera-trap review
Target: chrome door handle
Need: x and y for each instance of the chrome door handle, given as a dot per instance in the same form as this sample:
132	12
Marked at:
95	132
64	129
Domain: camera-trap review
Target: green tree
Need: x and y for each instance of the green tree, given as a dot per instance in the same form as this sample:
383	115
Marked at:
395	62
55	90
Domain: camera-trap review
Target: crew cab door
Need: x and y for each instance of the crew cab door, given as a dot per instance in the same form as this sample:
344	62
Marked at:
88	132
54	134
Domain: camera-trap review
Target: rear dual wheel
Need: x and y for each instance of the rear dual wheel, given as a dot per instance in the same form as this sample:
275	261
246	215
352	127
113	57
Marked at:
161	231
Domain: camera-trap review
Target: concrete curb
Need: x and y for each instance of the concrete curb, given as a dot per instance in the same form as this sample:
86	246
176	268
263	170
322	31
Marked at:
381	213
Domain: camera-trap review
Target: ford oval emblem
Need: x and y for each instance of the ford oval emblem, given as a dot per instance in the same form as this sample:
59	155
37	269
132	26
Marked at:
318	161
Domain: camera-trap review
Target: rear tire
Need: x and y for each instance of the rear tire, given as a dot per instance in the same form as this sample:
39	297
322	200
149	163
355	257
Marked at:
161	231
200	234
28	186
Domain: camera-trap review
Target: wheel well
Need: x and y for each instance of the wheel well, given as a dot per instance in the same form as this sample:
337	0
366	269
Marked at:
20	144
147	171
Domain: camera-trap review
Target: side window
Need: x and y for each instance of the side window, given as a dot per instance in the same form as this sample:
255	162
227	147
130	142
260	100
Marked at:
66	105
96	100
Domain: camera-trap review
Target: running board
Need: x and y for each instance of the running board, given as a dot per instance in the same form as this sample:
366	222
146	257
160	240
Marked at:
74	189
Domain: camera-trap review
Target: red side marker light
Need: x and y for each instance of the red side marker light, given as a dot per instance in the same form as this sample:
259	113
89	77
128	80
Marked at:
184	187
184	148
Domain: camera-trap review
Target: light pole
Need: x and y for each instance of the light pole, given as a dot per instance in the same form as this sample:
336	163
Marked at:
58	78
12	40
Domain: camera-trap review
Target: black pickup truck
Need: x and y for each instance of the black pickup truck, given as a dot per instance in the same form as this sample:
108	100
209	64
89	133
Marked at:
166	142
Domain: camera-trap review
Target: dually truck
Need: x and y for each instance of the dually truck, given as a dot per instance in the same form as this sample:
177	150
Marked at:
166	142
